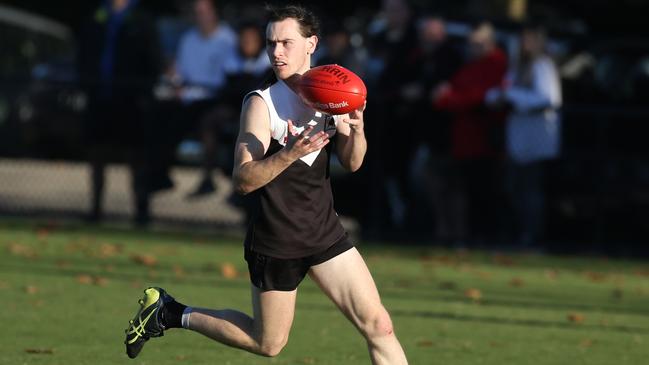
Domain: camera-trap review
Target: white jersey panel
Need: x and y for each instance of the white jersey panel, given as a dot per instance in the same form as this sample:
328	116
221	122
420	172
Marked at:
283	104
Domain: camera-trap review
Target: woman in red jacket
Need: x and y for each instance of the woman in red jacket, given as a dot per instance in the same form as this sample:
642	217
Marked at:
474	150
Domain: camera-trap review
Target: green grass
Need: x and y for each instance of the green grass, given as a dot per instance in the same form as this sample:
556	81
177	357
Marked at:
68	293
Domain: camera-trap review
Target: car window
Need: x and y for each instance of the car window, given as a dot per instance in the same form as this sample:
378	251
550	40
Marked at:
24	48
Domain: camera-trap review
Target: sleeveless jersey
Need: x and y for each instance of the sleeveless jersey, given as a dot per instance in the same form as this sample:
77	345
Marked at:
293	215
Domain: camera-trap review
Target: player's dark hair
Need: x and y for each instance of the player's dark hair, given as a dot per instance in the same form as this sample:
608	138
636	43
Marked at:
309	23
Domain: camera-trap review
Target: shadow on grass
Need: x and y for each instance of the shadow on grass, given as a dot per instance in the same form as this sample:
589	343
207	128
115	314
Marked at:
502	321
512	302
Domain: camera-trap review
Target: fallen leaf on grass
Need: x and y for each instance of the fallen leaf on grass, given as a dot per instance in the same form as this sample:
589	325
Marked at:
446	260
465	267
179	272
551	274
641	272
595	277
426	258
503	260
576	317
108	250
75	247
425	343
145	260
100	281
641	291
484	275
228	271
495	344
40	351
586	343
17	249
31	289
473	294
84	279
42	233
516	283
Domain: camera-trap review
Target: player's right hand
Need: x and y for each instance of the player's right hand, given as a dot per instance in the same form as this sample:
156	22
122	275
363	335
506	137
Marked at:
301	144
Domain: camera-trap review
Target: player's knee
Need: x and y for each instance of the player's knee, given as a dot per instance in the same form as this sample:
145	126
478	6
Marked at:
378	324
272	347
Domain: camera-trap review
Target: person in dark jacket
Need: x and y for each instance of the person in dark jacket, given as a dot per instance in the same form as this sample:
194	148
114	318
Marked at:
119	61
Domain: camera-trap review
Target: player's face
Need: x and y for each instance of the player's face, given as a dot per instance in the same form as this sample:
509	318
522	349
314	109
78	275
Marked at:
289	52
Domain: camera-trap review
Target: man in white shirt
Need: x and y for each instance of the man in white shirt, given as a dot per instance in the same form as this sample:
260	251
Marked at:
203	52
201	67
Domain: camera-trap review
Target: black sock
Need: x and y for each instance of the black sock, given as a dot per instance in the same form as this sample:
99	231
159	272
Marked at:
172	314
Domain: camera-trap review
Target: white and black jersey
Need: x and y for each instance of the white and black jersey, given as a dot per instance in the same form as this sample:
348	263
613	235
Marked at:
294	214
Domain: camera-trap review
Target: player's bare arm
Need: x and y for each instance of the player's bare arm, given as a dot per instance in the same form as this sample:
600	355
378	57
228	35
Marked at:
351	142
251	169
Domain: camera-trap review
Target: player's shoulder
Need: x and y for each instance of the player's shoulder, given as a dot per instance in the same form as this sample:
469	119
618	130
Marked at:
253	98
254	103
255	114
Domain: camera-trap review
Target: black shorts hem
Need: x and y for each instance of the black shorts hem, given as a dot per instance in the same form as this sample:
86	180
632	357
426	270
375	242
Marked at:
271	273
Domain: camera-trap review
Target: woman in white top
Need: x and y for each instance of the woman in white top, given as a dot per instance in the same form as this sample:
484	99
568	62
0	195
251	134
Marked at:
532	91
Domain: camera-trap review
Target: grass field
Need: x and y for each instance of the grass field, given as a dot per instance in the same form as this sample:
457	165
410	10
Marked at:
68	293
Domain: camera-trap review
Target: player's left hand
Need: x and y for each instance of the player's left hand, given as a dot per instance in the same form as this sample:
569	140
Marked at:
355	119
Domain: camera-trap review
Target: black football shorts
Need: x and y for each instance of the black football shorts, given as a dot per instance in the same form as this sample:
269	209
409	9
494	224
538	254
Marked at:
271	273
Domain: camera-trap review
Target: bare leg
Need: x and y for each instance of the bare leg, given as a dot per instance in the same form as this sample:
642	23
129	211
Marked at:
348	283
265	334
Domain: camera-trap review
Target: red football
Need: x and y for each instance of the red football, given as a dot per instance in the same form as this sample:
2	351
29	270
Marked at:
332	89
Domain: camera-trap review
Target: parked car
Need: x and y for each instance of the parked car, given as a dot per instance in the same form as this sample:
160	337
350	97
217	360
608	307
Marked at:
40	104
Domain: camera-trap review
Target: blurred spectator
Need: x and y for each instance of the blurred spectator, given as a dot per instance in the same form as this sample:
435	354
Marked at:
202	53
245	70
474	137
390	47
533	91
201	62
337	49
435	60
248	66
119	62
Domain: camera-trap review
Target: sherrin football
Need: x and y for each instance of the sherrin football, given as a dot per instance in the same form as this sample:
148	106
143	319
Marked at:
332	89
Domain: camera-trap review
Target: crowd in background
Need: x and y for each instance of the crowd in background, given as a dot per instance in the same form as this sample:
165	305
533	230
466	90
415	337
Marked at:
459	127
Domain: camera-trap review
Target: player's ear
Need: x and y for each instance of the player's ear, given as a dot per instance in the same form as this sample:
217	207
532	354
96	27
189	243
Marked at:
312	42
